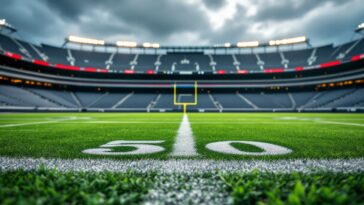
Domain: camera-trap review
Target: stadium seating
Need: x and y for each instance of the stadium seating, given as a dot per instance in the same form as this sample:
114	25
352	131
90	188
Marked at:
183	61
130	99
11	96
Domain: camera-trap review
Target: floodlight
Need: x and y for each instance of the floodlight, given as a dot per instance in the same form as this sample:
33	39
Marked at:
6	25
81	40
126	44
151	45
155	45
360	27
247	44
299	39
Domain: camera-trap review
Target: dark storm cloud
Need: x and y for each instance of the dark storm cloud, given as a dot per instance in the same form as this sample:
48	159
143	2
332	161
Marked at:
153	19
70	9
323	21
32	19
183	22
161	18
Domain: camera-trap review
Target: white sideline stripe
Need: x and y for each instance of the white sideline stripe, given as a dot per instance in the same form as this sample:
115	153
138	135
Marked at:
36	123
186	166
342	123
184	144
207	123
318	120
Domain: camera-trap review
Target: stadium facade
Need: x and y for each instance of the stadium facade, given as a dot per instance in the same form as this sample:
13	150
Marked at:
105	77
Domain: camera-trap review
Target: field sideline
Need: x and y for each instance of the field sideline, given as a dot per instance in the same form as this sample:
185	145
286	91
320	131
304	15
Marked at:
58	155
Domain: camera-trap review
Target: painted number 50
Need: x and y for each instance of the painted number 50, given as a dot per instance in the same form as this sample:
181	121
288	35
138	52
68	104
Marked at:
141	147
149	147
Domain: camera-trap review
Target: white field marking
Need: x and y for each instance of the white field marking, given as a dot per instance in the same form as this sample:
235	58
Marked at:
120	122
319	120
298	118
142	147
226	148
207	123
74	118
186	166
184	144
341	123
312	118
44	118
38	123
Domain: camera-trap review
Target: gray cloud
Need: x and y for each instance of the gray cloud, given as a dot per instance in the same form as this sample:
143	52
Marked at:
287	9
181	22
161	18
214	4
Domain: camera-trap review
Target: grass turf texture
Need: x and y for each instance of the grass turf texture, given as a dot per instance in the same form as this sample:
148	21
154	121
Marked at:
265	188
65	135
52	187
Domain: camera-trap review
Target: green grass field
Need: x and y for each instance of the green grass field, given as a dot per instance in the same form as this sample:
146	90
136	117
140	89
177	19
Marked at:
66	135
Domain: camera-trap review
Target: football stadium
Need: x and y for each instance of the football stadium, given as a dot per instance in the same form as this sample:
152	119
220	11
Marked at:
273	117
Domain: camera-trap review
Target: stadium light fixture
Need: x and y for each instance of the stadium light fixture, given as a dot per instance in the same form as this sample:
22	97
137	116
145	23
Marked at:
360	27
299	39
81	40
227	45
247	44
151	45
5	24
147	45
129	44
155	45
223	45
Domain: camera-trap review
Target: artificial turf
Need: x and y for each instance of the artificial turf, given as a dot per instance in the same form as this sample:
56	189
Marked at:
53	187
66	135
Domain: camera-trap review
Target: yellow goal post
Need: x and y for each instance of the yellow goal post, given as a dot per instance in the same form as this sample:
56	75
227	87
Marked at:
185	104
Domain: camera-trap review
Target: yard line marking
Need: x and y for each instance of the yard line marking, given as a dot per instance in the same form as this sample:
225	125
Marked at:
186	166
37	123
207	123
319	120
341	123
120	122
184	144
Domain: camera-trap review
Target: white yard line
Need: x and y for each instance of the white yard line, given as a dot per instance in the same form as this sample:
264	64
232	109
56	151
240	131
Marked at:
184	144
186	166
171	122
341	123
36	123
319	120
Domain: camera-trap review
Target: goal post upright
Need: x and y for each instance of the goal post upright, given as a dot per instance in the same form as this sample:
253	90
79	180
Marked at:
185	104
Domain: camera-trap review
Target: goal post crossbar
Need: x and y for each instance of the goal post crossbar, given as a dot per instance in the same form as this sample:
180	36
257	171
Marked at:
185	104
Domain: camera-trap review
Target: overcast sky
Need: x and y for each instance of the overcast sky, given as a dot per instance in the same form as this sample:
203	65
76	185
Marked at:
184	22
